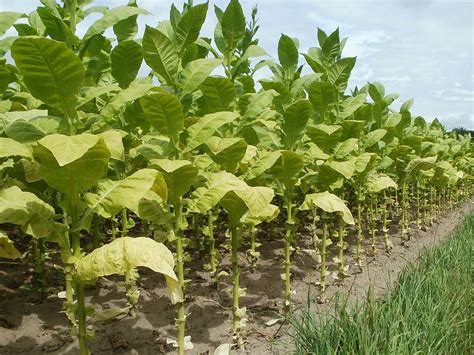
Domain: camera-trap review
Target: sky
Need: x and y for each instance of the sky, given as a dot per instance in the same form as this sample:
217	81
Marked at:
421	49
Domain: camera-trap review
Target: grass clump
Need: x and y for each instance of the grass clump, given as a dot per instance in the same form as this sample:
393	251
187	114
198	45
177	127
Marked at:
430	310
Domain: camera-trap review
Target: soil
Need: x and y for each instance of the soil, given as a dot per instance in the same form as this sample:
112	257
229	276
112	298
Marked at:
35	325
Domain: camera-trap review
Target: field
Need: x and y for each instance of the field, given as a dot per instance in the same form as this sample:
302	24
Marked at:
196	208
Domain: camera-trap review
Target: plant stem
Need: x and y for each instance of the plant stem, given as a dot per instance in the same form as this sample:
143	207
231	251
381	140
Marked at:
72	15
340	245
388	244
253	249
81	307
181	320
212	244
288	241
360	234
236	318
39	275
114	228
322	277
372	224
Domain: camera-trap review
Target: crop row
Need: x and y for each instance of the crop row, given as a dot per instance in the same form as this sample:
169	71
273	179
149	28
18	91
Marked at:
88	150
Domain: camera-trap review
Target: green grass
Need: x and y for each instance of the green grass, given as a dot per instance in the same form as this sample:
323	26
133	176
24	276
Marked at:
430	311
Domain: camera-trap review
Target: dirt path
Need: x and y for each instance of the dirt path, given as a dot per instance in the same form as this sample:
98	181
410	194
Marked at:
33	326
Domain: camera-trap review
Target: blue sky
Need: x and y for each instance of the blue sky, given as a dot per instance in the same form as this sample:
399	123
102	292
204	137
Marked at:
421	49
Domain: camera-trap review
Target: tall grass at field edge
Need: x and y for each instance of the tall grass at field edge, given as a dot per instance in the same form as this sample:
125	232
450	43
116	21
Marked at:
429	311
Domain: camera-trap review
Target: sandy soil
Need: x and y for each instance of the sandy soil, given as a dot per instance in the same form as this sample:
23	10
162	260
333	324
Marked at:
31	325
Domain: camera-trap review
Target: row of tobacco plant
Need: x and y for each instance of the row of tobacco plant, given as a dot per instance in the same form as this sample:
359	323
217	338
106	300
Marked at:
88	150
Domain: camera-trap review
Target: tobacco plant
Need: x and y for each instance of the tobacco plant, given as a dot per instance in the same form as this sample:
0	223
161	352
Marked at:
92	150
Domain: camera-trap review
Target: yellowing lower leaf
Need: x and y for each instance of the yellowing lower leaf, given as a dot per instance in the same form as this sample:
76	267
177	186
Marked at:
329	203
125	254
7	249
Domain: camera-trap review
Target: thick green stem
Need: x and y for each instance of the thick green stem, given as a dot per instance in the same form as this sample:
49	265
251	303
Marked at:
72	15
181	320
39	275
340	246
212	243
81	307
236	318
131	292
372	225
360	234
81	315
322	277
404	219
253	249
386	202
124	223
68	278
287	262
69	293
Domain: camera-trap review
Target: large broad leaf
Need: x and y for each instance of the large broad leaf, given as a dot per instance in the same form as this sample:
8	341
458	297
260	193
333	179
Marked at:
295	117
52	72
7	248
217	185
195	73
328	202
114	143
345	148
218	93
126	61
5	77
339	73
154	208
125	254
288	166
12	148
179	176
227	152
263	163
253	201
351	105
160	54
376	92
188	28
119	102
52	23
111	18
165	113
325	136
259	102
72	164
27	210
7	19
233	24
93	92
235	196
113	196
323	96
373	137
301	84
127	28
345	168
418	164
32	130
378	182
287	52
206	126
366	162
